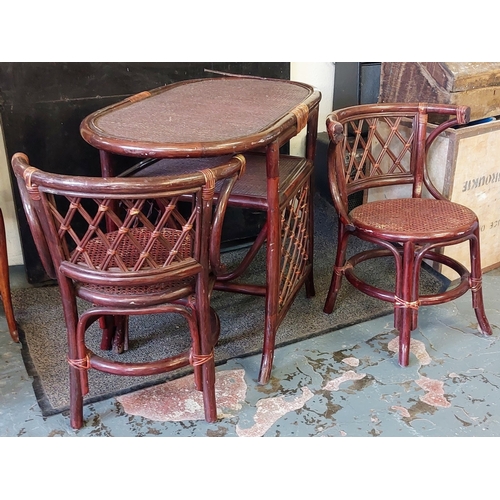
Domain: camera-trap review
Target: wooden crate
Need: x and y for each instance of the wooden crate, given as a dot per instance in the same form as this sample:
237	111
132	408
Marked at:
473	84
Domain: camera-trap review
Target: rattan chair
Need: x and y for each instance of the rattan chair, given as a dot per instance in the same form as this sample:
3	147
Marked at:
5	283
385	146
125	246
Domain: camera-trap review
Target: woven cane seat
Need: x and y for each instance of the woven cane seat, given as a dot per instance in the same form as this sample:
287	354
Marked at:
96	253
251	189
415	218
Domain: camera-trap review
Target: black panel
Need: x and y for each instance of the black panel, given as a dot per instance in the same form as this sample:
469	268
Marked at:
369	84
42	105
346	85
356	83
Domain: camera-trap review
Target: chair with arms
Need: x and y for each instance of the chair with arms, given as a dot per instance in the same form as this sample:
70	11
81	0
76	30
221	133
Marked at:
385	146
123	245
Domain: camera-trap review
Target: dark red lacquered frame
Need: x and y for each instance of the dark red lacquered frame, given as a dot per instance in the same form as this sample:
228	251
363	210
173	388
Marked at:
382	146
5	292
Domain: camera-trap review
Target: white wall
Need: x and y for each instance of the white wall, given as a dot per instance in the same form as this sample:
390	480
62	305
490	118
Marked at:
14	251
321	76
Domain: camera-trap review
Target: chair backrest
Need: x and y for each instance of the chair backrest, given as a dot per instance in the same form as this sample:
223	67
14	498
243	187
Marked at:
120	230
36	230
375	145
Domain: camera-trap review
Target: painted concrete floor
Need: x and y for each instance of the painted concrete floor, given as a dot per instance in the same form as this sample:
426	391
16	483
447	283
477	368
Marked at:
345	383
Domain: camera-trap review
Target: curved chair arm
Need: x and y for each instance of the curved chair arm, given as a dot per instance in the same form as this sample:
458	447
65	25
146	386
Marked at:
335	130
33	221
462	117
231	171
336	154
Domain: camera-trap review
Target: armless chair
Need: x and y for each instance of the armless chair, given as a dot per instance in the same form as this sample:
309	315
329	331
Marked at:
5	283
384	146
124	246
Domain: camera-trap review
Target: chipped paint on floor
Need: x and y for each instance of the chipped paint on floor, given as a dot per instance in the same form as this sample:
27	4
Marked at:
402	411
351	361
344	383
435	392
179	400
270	410
334	385
416	347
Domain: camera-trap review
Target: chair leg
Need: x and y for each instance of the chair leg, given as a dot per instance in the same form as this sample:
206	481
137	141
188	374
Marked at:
476	286
337	270
78	376
5	283
75	398
79	362
214	337
266	363
208	335
120	338
108	329
114	333
406	306
214	327
209	401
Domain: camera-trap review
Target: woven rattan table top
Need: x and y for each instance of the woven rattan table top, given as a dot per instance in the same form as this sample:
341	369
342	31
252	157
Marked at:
199	117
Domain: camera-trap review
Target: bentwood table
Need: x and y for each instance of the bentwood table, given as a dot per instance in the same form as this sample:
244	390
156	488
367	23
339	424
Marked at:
210	117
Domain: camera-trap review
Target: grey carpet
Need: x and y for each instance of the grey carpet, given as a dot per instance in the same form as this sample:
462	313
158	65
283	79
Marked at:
39	315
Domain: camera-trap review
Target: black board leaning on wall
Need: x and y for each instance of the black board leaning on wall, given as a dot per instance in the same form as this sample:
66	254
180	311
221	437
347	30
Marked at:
42	105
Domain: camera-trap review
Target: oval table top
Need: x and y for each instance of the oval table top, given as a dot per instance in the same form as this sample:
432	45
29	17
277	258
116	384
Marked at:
203	117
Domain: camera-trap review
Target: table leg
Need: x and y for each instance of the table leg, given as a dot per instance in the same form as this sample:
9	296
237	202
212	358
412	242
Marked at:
114	328
311	140
107	164
273	251
286	273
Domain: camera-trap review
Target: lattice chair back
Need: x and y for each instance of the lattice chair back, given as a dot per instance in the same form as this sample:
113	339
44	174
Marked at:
152	237
385	145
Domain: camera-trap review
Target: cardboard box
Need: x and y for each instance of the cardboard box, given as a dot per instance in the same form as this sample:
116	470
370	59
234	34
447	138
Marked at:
464	163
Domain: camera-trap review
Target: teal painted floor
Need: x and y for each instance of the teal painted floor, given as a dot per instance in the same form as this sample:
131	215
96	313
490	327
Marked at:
345	383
